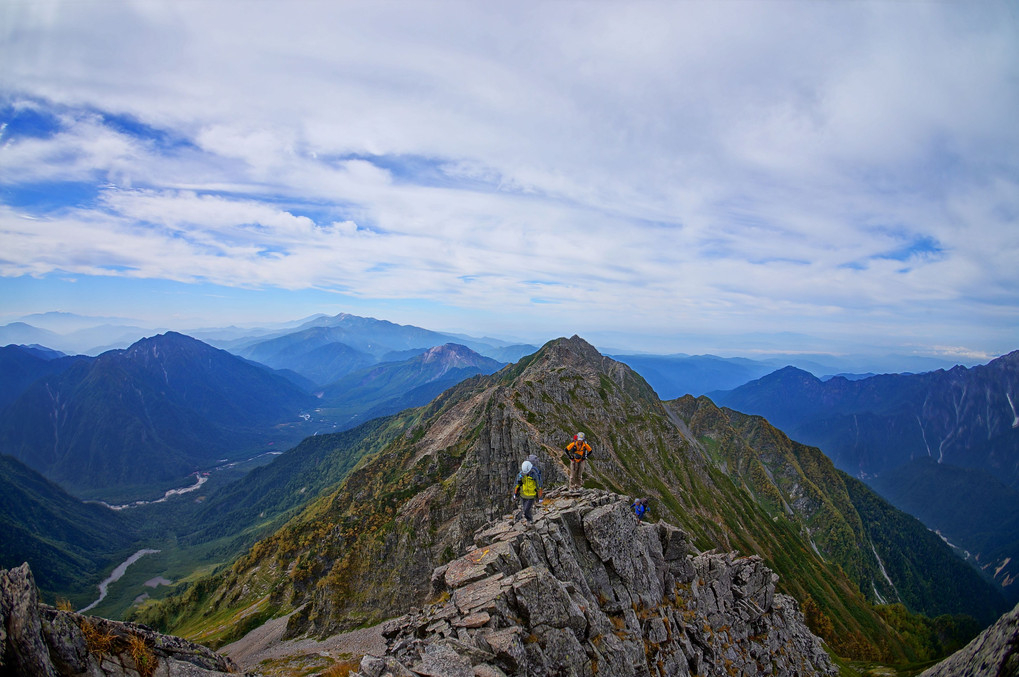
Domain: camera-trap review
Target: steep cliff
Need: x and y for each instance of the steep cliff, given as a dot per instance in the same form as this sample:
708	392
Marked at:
587	589
38	640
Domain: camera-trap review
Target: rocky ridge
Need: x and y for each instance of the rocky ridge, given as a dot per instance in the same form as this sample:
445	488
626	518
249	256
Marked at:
39	640
588	589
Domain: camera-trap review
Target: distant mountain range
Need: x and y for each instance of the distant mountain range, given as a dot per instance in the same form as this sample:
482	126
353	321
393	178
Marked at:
90	340
326	349
316	354
151	413
394	386
964	417
943	445
134	419
676	375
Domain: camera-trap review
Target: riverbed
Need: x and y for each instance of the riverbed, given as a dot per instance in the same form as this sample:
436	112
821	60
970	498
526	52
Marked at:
116	576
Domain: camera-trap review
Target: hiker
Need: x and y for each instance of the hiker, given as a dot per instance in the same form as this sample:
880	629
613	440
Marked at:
533	460
578	451
527	489
639	508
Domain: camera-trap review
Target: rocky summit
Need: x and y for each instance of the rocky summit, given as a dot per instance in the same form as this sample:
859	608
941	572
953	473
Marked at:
588	589
41	641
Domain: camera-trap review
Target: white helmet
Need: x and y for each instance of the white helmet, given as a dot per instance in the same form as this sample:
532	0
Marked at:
525	467
580	436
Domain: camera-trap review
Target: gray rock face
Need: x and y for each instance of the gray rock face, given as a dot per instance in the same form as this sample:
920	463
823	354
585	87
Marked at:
590	590
992	653
38	640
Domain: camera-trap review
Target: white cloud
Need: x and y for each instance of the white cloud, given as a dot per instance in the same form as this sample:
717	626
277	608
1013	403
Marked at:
736	163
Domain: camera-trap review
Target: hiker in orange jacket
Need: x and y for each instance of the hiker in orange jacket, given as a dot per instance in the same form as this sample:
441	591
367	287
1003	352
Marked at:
578	451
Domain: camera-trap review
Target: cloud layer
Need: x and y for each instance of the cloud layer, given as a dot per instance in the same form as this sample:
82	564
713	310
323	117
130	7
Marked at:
844	170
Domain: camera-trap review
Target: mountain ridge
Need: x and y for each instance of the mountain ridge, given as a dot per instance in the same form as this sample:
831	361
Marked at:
344	561
964	416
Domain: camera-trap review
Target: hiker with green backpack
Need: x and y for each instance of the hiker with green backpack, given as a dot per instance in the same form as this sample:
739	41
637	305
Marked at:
528	489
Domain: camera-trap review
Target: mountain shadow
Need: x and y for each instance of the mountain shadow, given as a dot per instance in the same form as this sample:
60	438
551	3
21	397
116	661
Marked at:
974	512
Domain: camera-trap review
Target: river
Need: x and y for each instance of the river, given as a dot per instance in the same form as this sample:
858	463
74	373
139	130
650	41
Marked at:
116	575
200	479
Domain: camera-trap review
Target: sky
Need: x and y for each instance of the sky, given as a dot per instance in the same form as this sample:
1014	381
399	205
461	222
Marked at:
734	177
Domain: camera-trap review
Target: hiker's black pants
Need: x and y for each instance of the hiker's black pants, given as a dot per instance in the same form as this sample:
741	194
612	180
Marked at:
525	507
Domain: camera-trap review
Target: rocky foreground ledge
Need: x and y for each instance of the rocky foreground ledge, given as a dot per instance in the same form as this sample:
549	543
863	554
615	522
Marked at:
38	640
589	590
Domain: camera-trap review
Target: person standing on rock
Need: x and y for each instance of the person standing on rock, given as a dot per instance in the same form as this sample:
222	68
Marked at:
639	508
527	489
578	451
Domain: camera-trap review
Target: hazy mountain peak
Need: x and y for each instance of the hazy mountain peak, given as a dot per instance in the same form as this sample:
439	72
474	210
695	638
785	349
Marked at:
456	356
452	353
169	344
790	372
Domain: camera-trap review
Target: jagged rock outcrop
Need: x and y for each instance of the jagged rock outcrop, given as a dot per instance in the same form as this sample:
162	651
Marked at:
38	640
587	589
993	653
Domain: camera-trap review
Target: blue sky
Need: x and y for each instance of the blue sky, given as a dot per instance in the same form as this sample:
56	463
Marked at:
729	177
